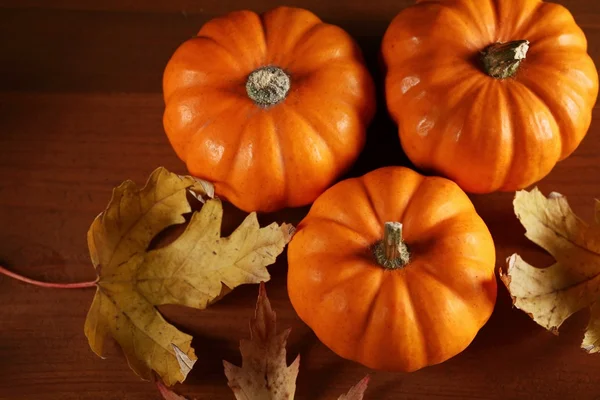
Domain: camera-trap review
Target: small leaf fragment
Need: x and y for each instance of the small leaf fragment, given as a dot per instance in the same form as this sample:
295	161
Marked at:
591	339
551	295
357	391
167	393
185	363
190	271
264	373
201	189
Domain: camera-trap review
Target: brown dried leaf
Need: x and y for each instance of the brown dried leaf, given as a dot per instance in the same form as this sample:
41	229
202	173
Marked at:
194	270
553	294
264	373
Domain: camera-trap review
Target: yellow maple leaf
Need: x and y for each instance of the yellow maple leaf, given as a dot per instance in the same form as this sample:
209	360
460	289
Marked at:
194	270
551	295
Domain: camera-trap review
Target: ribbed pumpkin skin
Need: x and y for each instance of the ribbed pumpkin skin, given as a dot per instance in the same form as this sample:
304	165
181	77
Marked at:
402	319
266	158
488	134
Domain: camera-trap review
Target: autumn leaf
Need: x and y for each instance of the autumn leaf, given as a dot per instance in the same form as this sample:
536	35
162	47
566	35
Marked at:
194	270
357	391
167	393
551	295
264	373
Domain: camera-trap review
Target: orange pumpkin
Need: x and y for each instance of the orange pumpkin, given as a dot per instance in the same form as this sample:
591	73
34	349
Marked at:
270	108
489	93
393	269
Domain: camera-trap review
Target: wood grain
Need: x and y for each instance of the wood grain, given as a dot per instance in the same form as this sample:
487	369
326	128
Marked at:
80	111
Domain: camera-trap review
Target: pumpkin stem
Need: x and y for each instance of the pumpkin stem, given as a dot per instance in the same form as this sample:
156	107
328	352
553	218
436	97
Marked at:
267	86
502	60
392	252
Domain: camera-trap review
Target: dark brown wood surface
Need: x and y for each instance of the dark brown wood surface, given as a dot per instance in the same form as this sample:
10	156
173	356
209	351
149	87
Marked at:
80	111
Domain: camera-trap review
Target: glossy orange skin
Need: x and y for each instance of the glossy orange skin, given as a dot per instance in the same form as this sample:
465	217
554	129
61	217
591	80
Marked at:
483	133
264	159
402	319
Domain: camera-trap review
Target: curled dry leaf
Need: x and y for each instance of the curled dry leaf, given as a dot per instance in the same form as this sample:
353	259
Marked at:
357	391
194	270
551	295
264	373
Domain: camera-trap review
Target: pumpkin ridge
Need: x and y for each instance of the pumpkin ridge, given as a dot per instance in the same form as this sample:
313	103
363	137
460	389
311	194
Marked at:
495	6
227	29
526	25
333	286
173	73
429	271
201	125
520	117
473	134
351	100
510	171
230	55
555	17
468	23
370	201
491	24
474	321
326	220
476	14
473	83
411	201
565	125
370	312
317	133
418	324
236	154
503	96
181	146
310	31
465	209
302	51
315	119
437	229
286	20
198	136
282	163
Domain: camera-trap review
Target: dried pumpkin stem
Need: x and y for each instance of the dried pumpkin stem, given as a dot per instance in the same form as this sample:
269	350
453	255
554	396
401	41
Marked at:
502	60
267	86
391	252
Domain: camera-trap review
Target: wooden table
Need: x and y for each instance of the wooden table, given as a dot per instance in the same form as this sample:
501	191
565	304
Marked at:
80	111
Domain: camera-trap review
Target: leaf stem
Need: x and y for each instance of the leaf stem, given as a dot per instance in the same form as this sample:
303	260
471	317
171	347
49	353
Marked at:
78	285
